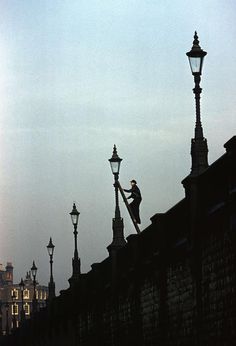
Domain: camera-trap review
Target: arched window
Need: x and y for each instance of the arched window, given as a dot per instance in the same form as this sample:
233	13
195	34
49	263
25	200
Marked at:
14	309
26	294
27	309
15	292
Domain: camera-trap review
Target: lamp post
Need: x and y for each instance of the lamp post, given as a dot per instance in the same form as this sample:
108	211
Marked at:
117	222
199	149
51	284
34	272
13	297
7	320
22	287
76	260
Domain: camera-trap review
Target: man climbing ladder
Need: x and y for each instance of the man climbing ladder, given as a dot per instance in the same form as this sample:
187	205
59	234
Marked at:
133	207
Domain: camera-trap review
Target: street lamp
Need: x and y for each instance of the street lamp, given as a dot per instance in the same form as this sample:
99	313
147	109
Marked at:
117	222
34	272
51	284
22	287
13	297
76	260
115	162
199	149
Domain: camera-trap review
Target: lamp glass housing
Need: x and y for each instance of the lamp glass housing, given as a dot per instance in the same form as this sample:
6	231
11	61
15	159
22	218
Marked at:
115	166
74	219
115	161
196	56
50	247
34	270
74	215
196	63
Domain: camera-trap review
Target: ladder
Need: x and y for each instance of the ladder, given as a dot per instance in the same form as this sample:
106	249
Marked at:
128	208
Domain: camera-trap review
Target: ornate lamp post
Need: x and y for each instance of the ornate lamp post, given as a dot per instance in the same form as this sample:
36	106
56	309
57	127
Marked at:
199	149
22	287
76	260
13	297
51	284
34	272
117	222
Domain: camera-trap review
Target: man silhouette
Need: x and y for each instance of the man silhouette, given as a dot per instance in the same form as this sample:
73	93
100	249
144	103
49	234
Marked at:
137	198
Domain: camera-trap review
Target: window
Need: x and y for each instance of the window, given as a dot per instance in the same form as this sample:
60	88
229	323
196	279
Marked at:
15	291
17	324
27	308
26	294
41	294
14	309
45	295
37	294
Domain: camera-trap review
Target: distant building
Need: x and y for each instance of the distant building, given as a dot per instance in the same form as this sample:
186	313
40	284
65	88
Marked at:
10	306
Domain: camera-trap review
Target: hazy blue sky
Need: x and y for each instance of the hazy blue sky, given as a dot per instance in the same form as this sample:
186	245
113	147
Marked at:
77	77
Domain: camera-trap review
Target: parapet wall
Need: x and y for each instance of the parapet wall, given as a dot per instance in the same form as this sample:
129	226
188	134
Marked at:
164	297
